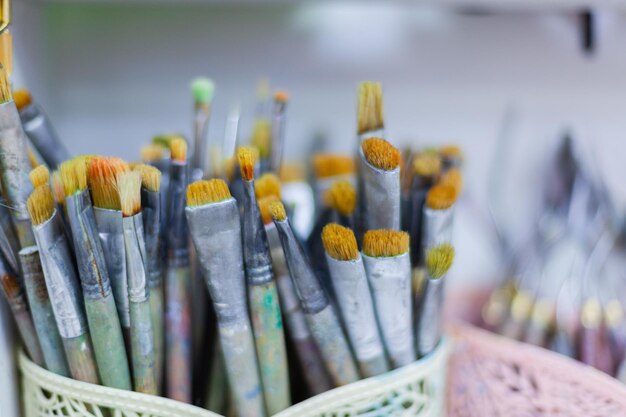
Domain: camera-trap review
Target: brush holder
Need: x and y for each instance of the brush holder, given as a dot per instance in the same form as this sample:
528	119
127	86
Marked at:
417	389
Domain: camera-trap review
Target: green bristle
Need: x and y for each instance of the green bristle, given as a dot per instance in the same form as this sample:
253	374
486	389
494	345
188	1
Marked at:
203	90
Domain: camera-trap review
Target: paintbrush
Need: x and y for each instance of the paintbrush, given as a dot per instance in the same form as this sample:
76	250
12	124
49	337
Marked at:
370	117
388	267
41	310
328	169
451	157
142	336
319	314
438	216
39	129
63	285
262	141
101	178
9	244
262	294
278	130
354	298
341	197
159	157
203	90
104	323
297	196
229	144
14	164
178	281
215	229
429	320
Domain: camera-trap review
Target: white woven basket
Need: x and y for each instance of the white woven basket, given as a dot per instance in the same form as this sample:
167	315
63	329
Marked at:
414	390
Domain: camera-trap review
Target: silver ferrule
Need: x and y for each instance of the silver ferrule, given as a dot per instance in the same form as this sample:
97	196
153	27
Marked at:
216	233
430	317
9	244
256	253
151	214
381	193
176	226
14	164
201	125
308	287
278	135
355	301
61	279
390	280
39	129
437	227
135	258
92	269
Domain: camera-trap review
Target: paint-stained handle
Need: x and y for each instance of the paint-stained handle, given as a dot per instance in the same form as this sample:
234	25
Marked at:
142	348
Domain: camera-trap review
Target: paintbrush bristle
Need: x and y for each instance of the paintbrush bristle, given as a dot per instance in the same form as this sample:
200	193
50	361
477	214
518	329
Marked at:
385	243
74	175
281	96
370	107
152	152
178	149
441	197
150	177
57	188
267	184
129	186
32	158
381	154
290	172
439	260
22	98
262	137
331	165
206	192
342	197
163	140
39	176
264	207
340	242
102	177
247	158
277	210
40	204
426	165
451	152
454	179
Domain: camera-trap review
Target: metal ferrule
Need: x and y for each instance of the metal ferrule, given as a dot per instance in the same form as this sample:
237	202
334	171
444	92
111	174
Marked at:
381	197
201	127
216	233
256	252
176	226
308	287
14	165
39	129
430	317
151	214
61	278
135	259
390	281
9	244
110	231
278	136
437	227
92	269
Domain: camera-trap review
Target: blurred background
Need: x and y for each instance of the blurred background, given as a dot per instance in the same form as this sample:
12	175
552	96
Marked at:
477	73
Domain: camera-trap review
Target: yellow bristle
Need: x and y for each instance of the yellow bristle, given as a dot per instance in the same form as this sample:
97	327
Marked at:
39	176
451	152
264	207
150	177
57	188
262	137
40	204
439	260
102	176
178	149
292	173
453	178
22	98
74	175
381	154
370	107
342	197
441	197
281	96
426	165
32	158
152	152
339	242
331	165
267	184
206	192
247	158
385	243
277	210
129	186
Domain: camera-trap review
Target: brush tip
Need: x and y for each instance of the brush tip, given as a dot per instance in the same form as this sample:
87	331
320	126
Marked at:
129	190
426	164
439	260
57	188
150	177
22	98
206	192
203	90
441	197
339	242
451	152
246	156
267	184
281	96
178	149
381	154
152	152
102	176
342	197
277	210
264	207
454	179
40	204
332	165
370	107
74	175
385	243
39	176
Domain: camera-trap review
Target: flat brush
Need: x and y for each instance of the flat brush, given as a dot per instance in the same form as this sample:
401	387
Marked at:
388	267
215	229
319	314
203	90
39	130
104	323
178	281
370	117
278	130
142	336
263	295
430	317
63	285
354	298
